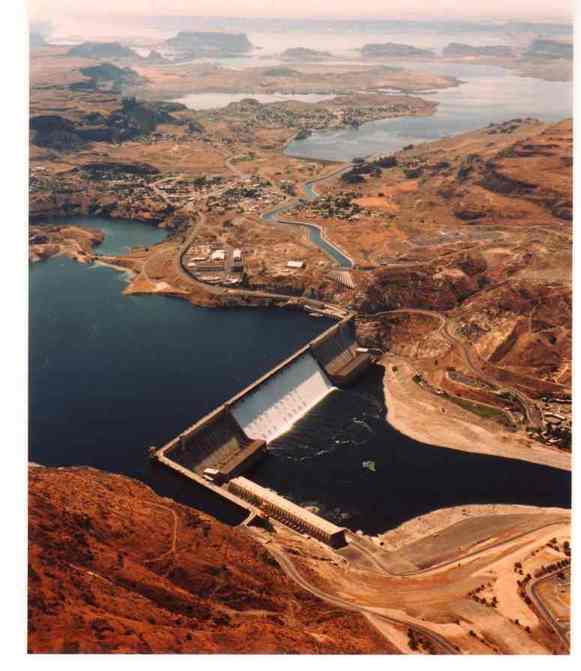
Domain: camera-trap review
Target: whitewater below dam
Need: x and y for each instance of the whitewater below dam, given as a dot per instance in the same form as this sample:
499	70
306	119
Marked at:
273	408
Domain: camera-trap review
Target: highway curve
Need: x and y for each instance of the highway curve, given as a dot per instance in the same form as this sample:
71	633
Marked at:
292	572
472	360
542	610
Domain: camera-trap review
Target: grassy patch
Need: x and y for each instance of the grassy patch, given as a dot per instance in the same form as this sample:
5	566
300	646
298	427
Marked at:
485	411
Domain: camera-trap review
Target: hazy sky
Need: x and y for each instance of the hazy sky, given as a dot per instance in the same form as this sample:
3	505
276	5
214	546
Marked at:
394	9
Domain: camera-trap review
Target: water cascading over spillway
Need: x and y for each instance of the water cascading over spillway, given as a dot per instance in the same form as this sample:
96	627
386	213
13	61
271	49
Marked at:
272	409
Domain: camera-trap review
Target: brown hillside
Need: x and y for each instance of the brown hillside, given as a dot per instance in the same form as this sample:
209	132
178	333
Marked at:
115	568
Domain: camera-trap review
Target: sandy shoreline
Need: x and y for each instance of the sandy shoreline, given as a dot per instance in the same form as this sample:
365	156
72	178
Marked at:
436	520
435	421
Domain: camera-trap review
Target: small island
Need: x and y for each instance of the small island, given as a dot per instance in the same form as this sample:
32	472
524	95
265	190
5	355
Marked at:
210	44
394	50
304	54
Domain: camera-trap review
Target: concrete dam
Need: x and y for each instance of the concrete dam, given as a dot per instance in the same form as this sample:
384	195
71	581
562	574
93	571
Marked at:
271	409
220	447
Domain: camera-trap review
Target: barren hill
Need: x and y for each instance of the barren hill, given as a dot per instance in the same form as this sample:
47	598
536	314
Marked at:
475	230
115	568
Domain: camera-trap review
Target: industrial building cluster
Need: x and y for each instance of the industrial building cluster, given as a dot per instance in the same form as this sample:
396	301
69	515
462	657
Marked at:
222	266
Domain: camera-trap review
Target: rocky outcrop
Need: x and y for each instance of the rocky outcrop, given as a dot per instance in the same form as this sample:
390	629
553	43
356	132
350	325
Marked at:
133	120
72	241
136	118
94	119
48	123
55	132
113	169
98	50
108	76
281	72
99	134
115	568
203	43
394	50
155	58
419	289
461	50
493	180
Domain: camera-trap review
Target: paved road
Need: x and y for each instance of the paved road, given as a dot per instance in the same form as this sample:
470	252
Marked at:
310	193
542	609
450	562
473	361
334	309
291	571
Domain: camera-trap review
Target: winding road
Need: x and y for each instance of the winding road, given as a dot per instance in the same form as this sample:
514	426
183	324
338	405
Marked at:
292	572
472	360
543	611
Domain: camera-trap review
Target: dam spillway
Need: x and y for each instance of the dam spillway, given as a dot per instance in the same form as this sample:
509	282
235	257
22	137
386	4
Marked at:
273	407
227	442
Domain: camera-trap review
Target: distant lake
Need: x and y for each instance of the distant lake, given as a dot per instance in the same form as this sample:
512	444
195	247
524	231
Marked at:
489	94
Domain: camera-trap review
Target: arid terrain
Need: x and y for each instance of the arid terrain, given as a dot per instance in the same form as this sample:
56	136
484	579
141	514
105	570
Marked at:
460	281
115	568
463	253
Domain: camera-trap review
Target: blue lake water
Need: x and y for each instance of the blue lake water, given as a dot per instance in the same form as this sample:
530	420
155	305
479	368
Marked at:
489	94
120	234
111	375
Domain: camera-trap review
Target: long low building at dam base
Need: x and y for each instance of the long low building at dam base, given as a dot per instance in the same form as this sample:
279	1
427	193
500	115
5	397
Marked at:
218	449
287	512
